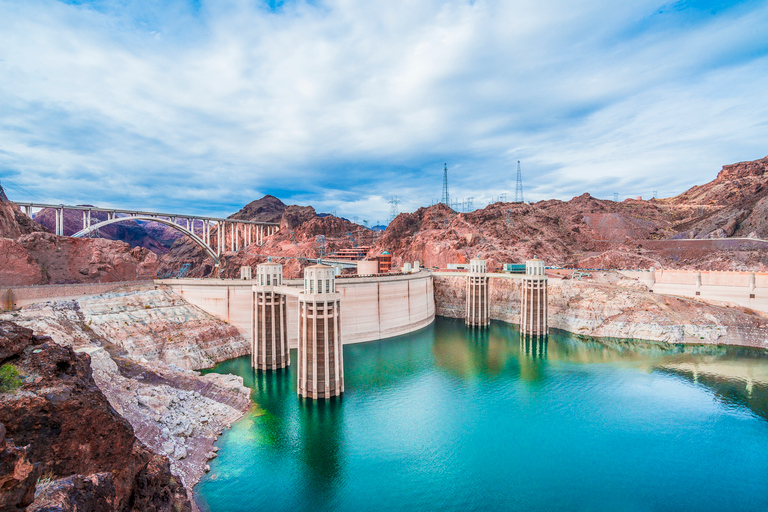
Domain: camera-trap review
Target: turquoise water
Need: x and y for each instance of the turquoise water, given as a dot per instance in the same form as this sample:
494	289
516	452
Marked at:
452	419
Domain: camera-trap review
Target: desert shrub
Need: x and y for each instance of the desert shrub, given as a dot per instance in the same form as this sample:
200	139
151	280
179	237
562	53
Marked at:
9	378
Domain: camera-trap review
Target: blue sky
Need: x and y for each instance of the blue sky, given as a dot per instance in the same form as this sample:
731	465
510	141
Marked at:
201	107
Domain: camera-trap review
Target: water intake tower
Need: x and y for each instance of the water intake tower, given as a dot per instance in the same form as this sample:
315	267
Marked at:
533	310
478	303
321	363
270	343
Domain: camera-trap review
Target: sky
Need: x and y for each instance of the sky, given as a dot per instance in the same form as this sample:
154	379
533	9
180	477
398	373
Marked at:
201	107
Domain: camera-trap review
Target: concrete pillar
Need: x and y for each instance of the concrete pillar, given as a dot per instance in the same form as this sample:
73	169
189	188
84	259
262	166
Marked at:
478	307
534	308
218	236
321	361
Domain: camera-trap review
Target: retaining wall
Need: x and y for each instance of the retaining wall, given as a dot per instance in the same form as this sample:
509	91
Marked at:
716	286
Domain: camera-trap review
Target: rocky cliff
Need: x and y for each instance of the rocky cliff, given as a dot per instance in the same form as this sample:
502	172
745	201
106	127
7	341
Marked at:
88	453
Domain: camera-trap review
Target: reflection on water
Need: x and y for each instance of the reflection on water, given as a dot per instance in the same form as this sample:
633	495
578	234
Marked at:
453	418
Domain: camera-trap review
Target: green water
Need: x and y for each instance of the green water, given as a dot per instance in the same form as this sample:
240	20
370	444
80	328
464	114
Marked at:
451	419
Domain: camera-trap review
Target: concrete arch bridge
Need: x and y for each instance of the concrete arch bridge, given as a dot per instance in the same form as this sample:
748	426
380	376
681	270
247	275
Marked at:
242	233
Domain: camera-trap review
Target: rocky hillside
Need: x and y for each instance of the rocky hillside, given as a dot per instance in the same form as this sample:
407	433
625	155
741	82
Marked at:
44	258
592	233
88	455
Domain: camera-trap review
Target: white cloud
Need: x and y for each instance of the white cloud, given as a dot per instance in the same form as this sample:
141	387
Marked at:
345	103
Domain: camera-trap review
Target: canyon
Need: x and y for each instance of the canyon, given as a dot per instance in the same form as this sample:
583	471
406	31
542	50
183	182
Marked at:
129	358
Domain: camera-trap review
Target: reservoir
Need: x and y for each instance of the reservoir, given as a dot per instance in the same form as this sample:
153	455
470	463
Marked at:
455	419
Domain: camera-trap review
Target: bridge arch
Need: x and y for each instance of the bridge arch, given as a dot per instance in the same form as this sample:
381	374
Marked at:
199	241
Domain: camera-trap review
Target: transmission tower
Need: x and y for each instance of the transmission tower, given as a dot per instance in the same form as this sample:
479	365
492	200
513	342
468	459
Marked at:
393	211
320	239
446	198
519	186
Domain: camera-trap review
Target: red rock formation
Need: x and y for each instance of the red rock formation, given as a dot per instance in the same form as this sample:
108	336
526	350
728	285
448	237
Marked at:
73	433
44	258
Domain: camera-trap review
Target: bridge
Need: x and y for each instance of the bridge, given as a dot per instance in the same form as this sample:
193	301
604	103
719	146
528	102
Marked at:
212	236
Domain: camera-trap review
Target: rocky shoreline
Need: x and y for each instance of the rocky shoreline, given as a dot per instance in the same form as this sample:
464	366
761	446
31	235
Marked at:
141	347
613	306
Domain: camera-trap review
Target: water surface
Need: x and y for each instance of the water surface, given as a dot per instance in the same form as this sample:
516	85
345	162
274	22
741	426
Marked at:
453	419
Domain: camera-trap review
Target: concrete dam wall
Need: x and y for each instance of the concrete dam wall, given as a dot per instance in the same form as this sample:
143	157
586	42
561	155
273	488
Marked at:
371	307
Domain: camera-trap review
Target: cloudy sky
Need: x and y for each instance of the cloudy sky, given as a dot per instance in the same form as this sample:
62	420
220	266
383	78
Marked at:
202	106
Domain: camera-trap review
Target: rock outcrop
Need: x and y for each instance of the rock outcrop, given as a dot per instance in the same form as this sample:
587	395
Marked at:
141	345
71	433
